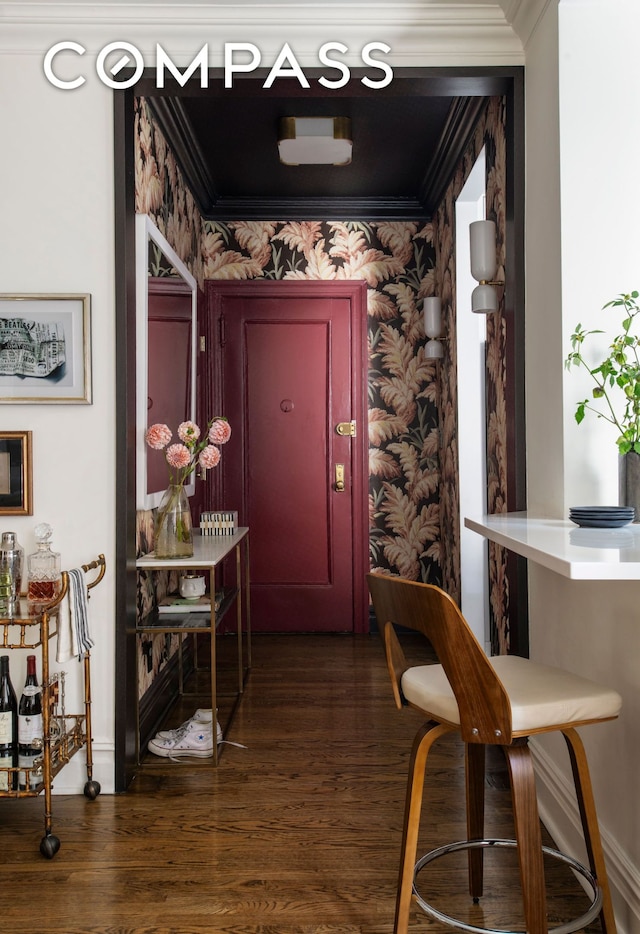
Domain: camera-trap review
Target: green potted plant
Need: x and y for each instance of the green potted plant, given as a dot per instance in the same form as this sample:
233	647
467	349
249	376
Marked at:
616	393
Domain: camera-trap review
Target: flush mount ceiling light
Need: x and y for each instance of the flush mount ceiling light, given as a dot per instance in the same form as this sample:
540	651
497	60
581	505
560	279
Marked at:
314	140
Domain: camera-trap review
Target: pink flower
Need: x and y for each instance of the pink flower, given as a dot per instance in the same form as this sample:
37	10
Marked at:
158	436
220	431
188	431
178	455
209	457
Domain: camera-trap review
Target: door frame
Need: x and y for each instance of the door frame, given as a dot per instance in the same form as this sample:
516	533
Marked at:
355	291
477	80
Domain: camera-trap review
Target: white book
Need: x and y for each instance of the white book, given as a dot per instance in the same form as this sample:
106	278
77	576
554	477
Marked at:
178	604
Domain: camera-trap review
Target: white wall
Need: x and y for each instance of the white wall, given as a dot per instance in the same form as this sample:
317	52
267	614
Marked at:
582	248
56	235
543	298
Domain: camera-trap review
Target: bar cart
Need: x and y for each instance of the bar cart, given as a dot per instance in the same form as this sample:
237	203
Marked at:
63	734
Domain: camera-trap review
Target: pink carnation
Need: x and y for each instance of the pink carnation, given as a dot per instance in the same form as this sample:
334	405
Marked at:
188	431
158	436
209	457
220	431
178	455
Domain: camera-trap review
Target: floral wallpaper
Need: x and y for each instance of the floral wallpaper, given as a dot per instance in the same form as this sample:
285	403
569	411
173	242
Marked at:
154	651
413	455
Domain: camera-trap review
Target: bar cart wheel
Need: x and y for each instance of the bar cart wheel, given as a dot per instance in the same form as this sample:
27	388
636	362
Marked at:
49	845
92	790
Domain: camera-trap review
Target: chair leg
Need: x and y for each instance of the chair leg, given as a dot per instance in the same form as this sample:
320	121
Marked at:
424	740
475	769
590	829
528	836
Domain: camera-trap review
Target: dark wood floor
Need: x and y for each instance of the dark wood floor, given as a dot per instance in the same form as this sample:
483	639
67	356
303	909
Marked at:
297	832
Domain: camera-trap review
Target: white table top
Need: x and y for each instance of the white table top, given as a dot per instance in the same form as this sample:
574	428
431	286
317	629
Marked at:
561	546
208	551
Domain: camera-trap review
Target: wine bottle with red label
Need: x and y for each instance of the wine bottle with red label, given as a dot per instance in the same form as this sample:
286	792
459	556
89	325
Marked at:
30	730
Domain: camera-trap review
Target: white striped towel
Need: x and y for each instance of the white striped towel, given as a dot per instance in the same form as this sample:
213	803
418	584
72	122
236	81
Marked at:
74	637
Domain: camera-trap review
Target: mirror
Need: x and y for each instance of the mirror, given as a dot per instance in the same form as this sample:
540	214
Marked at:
166	317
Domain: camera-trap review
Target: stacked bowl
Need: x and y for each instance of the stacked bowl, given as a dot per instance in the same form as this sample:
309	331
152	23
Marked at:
602	517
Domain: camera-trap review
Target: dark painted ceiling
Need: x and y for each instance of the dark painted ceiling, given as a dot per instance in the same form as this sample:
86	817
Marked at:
407	140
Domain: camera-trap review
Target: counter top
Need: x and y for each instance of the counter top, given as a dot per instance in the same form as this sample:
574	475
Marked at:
563	547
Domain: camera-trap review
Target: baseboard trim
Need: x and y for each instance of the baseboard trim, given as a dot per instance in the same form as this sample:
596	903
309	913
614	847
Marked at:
560	815
73	777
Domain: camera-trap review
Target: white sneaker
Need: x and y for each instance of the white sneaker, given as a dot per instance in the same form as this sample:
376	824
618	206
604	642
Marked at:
196	739
203	716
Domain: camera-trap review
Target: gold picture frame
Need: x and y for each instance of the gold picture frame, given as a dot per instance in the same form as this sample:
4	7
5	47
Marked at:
16	478
45	348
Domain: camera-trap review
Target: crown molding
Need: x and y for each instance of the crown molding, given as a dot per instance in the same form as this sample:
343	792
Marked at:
419	33
369	209
524	15
177	130
462	120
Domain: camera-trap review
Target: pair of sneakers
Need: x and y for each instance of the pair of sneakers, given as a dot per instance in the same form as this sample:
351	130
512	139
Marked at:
192	738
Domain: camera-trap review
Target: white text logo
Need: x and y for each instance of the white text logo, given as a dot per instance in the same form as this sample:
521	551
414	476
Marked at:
239	58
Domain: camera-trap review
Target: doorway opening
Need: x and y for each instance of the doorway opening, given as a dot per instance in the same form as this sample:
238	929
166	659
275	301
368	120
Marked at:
465	88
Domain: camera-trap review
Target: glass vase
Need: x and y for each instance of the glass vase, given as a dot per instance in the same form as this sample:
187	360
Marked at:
173	532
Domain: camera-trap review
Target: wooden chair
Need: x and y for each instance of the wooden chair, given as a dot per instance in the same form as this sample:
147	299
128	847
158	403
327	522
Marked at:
496	701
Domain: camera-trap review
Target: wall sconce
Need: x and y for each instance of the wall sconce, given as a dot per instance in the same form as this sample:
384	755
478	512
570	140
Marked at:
484	264
432	309
314	140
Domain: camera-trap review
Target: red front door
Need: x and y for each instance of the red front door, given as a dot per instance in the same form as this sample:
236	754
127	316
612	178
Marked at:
288	379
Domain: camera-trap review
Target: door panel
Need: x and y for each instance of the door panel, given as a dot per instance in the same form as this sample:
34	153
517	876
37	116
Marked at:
287	494
287	380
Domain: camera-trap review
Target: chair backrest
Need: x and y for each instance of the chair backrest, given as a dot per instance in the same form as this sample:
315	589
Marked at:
483	703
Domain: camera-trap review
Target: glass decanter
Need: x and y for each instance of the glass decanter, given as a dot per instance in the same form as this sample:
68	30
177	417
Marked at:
44	579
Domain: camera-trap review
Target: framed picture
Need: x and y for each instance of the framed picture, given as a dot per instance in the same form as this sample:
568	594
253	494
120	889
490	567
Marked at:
45	348
15	473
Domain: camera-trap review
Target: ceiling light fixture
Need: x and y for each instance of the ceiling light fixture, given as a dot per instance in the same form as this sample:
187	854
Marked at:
314	140
484	264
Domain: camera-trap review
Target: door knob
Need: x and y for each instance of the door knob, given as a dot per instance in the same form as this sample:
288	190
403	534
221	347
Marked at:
339	478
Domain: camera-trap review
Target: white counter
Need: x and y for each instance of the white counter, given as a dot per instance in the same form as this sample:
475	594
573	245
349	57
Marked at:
563	547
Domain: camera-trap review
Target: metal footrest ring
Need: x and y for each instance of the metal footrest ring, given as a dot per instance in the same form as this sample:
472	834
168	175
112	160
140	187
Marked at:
567	928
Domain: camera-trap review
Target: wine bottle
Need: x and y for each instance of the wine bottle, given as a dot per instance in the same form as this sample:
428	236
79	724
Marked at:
30	730
8	728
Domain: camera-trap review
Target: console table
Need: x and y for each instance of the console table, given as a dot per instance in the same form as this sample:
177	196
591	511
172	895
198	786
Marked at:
209	552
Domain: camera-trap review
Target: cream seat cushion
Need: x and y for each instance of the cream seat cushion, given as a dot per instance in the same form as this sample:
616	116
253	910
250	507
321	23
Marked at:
541	697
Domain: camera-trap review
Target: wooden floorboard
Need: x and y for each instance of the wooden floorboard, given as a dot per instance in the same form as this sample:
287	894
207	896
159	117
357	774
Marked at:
297	832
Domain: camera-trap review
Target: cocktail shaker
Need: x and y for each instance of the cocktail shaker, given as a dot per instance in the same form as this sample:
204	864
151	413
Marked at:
11	565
